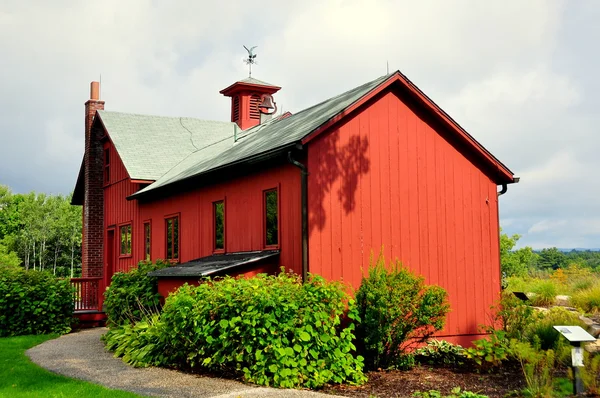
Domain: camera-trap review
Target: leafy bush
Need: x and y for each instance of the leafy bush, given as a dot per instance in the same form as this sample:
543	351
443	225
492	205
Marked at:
136	343
33	302
8	258
440	352
273	330
490	352
133	295
541	332
514	316
397	309
588	300
456	393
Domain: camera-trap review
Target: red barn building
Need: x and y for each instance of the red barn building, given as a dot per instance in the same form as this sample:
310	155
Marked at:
318	191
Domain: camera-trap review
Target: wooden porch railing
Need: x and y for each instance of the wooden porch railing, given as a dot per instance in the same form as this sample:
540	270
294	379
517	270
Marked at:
88	294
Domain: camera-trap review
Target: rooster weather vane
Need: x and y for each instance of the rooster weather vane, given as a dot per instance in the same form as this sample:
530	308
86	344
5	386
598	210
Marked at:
251	60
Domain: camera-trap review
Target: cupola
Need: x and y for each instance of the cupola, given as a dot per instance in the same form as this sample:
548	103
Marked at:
251	101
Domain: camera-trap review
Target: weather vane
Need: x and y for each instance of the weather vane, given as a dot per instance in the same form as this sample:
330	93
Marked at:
251	60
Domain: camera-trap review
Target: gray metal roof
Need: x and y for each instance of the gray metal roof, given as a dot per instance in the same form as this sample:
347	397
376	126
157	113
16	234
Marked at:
214	264
149	146
251	80
267	137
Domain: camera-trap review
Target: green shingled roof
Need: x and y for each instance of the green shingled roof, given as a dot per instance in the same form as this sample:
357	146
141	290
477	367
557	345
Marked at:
268	137
150	146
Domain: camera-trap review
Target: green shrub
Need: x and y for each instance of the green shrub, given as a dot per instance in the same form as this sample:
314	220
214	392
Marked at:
396	309
489	352
588	300
541	332
136	343
440	352
518	284
272	330
514	316
591	372
33	302
133	295
538	368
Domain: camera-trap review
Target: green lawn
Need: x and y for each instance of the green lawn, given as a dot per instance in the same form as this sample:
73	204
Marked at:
19	377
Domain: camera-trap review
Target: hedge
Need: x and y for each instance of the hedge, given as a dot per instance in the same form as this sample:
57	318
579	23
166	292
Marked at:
33	302
271	330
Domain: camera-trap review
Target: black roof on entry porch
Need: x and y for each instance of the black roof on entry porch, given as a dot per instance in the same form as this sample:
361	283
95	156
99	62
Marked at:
216	263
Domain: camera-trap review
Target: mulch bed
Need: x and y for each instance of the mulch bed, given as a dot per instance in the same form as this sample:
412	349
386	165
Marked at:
424	378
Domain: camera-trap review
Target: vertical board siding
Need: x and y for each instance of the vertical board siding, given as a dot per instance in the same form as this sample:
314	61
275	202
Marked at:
244	229
118	210
415	193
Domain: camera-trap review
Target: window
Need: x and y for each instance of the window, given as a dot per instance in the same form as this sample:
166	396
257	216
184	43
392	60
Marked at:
172	233
219	225
271	210
125	234
106	165
147	239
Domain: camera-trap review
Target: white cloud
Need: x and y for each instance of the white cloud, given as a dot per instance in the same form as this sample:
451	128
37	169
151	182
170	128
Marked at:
546	225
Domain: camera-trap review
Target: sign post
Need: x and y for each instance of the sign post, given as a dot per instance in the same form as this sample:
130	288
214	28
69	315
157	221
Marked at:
576	335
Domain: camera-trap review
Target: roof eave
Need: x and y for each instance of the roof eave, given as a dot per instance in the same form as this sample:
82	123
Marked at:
262	157
77	198
239	86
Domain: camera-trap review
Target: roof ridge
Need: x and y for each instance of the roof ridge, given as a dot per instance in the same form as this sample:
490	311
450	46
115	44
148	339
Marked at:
165	117
357	88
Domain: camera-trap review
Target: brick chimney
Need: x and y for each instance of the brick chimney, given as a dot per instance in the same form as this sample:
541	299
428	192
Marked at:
93	200
246	96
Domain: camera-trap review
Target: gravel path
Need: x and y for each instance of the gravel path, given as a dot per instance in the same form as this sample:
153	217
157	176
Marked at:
82	356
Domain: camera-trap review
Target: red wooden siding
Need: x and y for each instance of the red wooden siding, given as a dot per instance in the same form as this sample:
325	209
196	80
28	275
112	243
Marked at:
244	228
386	178
118	210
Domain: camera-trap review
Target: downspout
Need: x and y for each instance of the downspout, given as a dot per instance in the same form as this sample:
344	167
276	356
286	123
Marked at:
304	204
500	193
503	190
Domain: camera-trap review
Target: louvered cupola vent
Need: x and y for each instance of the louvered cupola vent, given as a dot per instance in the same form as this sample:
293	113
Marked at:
254	102
235	109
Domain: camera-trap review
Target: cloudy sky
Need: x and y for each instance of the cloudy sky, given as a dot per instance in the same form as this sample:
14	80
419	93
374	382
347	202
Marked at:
521	76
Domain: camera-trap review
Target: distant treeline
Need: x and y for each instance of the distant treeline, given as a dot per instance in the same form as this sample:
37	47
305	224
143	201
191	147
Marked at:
526	260
41	232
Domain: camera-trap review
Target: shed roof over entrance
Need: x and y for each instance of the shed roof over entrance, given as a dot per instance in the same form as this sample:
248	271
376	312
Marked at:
210	265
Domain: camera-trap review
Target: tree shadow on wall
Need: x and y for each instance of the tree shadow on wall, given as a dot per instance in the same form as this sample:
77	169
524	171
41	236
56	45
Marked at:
344	162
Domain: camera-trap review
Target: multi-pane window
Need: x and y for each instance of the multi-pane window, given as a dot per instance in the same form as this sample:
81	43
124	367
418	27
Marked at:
106	165
219	224
172	233
125	234
271	210
147	239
